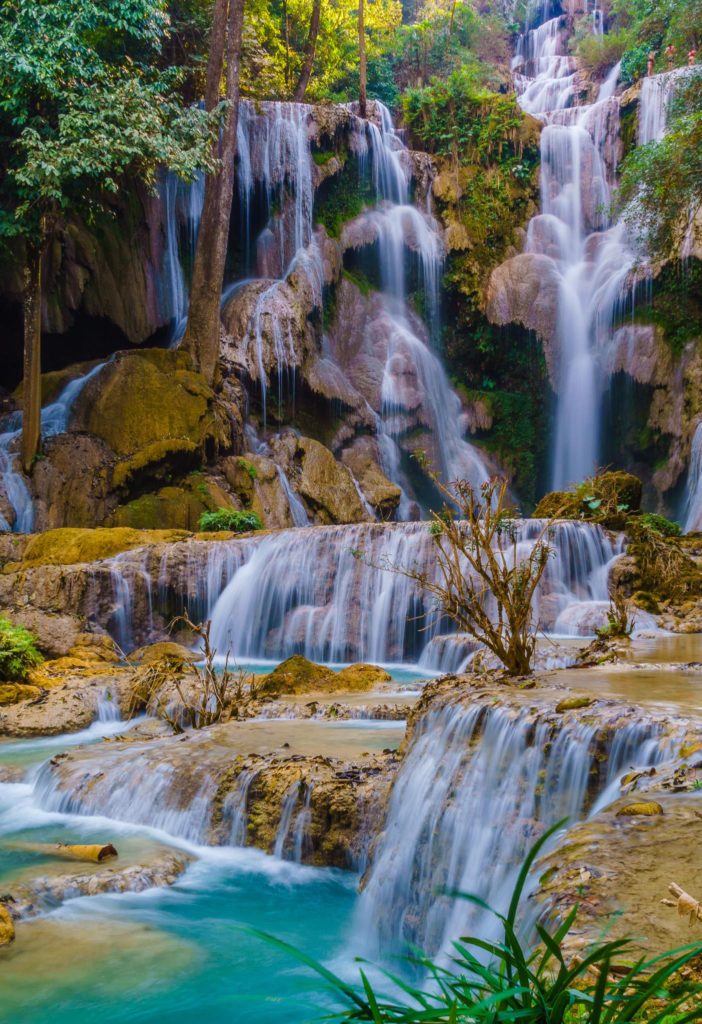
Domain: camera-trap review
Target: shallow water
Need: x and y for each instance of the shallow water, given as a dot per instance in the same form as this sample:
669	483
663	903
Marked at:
182	954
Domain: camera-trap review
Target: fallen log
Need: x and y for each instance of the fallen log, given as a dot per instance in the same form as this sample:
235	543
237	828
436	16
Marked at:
94	852
686	905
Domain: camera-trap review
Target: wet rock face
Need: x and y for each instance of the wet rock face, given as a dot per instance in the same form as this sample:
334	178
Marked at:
326	485
524	290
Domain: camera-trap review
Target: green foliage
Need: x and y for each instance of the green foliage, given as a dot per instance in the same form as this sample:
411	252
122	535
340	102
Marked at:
83	102
659	192
659	524
248	467
275	35
229	520
508	981
598	54
342	198
18	652
457	117
634	63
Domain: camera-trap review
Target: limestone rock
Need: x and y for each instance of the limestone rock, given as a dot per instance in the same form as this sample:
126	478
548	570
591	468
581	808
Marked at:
57	633
524	290
71	484
326	485
647	808
12	693
362	458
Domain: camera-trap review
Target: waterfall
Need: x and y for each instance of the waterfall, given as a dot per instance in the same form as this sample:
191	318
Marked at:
476	788
182	205
693	493
592	257
54	420
321	592
657	92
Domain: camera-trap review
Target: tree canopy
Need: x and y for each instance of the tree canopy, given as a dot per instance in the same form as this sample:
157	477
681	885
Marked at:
83	100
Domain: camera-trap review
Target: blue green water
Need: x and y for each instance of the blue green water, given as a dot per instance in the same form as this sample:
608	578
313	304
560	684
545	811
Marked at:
182	954
179	954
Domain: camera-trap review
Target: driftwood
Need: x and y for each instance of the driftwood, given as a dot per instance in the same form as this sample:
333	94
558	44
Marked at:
686	904
94	852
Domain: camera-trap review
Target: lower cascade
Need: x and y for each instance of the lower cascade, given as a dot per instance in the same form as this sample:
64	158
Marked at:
476	788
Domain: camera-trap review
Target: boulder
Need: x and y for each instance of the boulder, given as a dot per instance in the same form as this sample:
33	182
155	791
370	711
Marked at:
153	411
166	650
361	677
296	675
326	485
362	458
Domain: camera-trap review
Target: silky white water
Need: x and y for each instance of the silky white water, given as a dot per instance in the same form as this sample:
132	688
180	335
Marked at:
54	420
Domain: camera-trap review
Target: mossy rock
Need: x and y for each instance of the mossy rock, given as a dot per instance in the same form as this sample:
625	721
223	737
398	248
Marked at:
7	926
646	601
13	693
563	504
297	675
573	704
647	808
361	677
167	650
92	647
154	412
72	545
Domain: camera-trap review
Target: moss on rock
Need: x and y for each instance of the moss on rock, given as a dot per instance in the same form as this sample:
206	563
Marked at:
71	546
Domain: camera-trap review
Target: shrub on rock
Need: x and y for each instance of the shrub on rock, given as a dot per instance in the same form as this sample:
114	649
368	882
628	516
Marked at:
18	652
231	520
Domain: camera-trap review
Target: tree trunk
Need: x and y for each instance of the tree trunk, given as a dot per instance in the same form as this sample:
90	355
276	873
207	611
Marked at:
31	300
201	337
362	73
304	79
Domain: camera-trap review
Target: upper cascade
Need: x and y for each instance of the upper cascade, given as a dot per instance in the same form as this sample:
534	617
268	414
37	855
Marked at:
589	264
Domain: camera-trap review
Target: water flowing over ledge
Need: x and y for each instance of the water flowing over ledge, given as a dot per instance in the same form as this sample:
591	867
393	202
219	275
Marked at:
322	592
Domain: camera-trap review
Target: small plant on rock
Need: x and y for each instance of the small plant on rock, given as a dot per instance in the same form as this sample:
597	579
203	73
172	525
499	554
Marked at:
620	621
18	652
230	520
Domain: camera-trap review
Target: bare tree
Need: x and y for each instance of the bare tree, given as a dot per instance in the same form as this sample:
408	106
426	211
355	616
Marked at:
362	70
310	47
194	701
483	579
201	337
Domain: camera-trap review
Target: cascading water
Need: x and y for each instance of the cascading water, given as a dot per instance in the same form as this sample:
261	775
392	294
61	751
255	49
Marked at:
592	259
477	786
182	206
54	420
309	592
693	494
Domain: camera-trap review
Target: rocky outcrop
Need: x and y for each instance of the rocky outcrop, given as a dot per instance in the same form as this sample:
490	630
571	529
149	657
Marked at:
318	809
42	893
326	485
524	290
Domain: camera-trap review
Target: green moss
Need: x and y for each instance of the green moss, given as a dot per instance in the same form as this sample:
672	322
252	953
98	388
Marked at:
359	279
341	198
322	156
18	652
659	524
675	304
70	546
248	467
